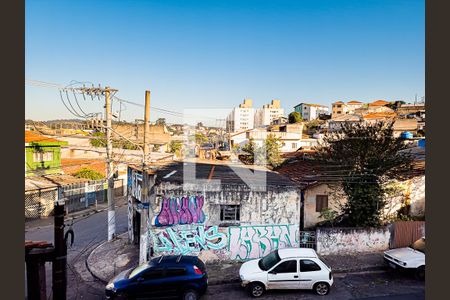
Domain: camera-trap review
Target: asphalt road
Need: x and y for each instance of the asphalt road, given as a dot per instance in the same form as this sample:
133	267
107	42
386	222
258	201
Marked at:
362	286
89	232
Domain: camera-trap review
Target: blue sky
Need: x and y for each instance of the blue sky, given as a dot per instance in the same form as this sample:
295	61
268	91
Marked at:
212	54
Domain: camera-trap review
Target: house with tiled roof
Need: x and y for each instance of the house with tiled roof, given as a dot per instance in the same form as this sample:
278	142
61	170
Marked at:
42	154
340	108
320	186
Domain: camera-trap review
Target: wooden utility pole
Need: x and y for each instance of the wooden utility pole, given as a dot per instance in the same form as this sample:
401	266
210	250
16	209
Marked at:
109	169
60	260
146	215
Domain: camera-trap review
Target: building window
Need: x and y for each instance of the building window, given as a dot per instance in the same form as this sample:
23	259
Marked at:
294	145
42	156
339	112
321	202
230	212
339	105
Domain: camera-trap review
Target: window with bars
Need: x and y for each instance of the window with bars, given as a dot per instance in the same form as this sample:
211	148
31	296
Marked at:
230	212
321	202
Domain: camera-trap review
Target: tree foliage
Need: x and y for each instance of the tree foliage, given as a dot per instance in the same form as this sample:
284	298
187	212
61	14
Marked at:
200	138
367	156
295	117
175	147
268	154
88	174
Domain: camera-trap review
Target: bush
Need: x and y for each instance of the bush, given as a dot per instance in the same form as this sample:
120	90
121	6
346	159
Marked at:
89	174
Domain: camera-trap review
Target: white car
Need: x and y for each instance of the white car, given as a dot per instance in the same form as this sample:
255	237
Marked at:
409	258
288	268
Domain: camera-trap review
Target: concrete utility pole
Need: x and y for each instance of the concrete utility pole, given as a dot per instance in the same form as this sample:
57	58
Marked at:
110	169
98	91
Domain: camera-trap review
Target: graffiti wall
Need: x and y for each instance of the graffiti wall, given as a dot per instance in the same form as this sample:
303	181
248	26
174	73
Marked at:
247	242
225	243
183	210
188	239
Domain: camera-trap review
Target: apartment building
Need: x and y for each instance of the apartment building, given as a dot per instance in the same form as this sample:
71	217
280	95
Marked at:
268	113
311	111
241	118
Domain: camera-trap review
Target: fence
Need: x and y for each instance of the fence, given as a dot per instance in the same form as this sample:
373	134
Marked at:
79	196
39	203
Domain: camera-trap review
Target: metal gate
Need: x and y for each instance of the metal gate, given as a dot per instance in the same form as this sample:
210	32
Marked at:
307	239
404	233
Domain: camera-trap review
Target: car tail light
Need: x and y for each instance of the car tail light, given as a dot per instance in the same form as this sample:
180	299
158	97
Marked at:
197	271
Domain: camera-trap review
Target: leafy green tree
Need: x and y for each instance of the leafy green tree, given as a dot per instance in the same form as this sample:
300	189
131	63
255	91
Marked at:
175	147
268	154
295	117
395	105
368	155
200	138
88	174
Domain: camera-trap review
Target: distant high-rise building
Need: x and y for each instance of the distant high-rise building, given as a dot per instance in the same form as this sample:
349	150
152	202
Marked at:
268	113
241	118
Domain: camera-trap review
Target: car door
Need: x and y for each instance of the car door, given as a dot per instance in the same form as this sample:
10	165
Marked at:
284	275
310	272
176	279
150	283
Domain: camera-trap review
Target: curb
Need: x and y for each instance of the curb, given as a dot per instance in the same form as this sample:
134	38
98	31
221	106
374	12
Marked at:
87	259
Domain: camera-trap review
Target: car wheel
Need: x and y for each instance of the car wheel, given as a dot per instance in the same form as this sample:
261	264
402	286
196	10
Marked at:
190	295
420	273
256	289
321	288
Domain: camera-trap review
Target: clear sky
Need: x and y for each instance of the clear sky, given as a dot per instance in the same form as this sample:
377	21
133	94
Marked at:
212	54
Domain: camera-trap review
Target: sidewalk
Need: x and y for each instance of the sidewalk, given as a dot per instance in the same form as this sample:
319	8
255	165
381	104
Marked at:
111	258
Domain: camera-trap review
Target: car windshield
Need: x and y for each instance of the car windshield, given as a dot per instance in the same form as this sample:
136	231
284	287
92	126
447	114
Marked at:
269	260
419	245
138	270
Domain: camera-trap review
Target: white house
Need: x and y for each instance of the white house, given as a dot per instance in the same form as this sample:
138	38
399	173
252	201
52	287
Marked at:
311	111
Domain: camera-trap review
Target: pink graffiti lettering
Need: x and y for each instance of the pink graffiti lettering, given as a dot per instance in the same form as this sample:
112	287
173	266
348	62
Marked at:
185	210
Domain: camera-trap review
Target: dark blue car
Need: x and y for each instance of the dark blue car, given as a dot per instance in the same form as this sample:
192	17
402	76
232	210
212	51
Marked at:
182	277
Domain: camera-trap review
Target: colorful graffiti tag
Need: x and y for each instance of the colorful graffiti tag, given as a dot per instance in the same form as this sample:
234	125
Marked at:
185	239
184	210
247	242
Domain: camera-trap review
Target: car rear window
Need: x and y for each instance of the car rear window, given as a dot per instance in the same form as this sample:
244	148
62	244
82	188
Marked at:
200	265
307	265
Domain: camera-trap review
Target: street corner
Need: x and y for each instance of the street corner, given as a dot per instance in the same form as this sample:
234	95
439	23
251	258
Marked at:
112	257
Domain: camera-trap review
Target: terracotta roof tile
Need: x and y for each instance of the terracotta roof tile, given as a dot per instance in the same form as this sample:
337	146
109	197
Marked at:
73	165
32	137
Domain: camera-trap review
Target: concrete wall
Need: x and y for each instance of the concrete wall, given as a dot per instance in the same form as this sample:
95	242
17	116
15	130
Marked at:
275	206
336	198
266	221
352	240
234	243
